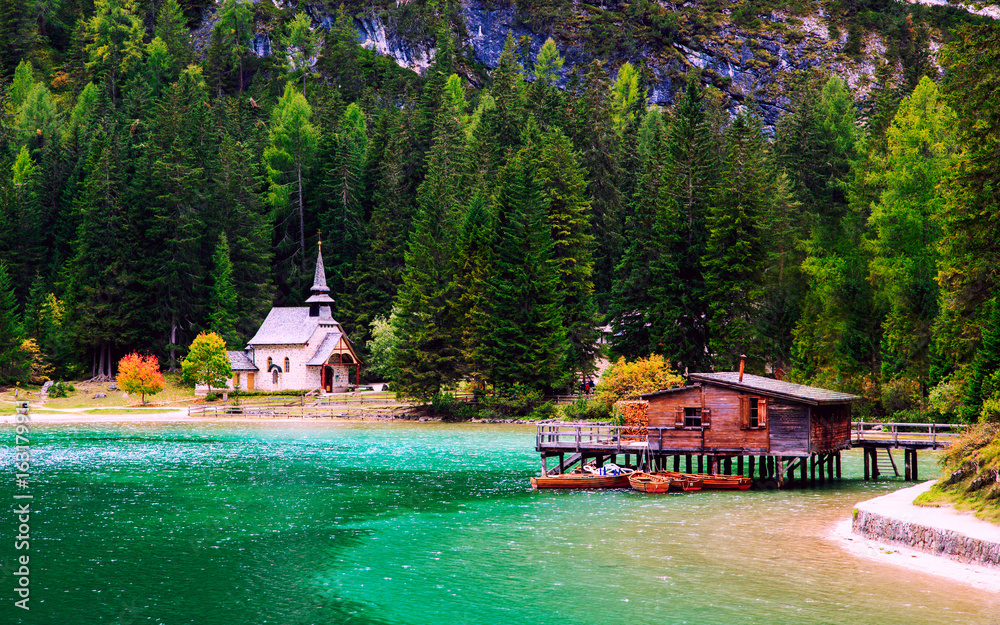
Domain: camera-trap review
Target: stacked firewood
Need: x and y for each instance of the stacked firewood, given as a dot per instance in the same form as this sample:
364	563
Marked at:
635	418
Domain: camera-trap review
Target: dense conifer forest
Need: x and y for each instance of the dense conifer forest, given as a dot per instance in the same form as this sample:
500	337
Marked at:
482	224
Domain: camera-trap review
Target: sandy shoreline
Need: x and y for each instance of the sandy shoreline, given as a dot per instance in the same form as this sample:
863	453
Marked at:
155	415
899	505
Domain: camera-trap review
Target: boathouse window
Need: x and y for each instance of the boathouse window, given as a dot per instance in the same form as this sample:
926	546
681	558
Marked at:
692	417
753	413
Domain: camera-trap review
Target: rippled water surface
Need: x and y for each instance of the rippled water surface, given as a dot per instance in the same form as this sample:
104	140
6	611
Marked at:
403	523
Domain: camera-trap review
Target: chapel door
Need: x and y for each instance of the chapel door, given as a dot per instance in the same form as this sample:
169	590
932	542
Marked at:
328	379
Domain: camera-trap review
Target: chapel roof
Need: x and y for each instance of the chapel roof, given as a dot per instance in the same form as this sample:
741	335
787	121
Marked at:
325	349
240	362
288	326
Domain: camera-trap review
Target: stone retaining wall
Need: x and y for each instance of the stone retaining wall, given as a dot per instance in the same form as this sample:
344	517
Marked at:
933	540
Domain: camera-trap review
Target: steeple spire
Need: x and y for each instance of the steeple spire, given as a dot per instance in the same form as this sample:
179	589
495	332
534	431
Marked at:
320	300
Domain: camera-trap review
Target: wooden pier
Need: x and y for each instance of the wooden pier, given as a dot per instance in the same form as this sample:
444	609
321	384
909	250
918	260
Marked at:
650	448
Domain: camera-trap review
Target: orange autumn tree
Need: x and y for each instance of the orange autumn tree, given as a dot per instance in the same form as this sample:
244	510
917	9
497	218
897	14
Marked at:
628	380
140	374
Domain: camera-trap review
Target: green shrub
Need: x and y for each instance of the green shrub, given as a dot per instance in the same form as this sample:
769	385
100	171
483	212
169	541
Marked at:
900	394
211	397
61	389
545	411
515	401
584	410
450	408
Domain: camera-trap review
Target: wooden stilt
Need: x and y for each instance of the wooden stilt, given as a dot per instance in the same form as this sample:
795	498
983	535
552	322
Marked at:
914	463
875	471
838	466
687	463
906	464
864	451
701	463
729	465
545	471
739	465
677	462
829	467
752	467
803	468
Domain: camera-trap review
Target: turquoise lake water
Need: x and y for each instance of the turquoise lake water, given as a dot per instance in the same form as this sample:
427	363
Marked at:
302	523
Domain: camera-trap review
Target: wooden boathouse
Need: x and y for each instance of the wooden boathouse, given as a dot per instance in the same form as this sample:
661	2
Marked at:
725	422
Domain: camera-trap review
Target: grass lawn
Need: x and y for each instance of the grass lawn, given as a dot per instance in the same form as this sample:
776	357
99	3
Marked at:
174	395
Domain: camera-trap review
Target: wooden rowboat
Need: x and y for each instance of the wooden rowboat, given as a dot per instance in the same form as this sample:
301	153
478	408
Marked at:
656	483
714	482
580	480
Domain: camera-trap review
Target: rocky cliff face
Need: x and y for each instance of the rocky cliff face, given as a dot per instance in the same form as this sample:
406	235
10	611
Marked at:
749	64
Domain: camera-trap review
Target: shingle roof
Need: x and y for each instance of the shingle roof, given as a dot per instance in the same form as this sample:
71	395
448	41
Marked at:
240	362
325	349
774	388
664	391
286	326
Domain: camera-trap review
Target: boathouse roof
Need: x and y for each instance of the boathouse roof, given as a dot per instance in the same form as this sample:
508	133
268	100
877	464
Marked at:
774	388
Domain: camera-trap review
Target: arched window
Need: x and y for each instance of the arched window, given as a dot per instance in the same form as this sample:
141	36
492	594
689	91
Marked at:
287	364
270	362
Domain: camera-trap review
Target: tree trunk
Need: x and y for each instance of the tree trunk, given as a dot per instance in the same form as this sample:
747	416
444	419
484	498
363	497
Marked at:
302	219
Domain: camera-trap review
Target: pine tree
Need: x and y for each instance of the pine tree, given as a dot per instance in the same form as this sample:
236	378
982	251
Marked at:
13	363
239	187
171	29
734	253
474	257
601	152
527	343
20	221
223	301
970	242
984	366
343	214
381	266
300	44
904	234
426	324
293	142
235	28
562	185
17	34
632	303
117	45
679	283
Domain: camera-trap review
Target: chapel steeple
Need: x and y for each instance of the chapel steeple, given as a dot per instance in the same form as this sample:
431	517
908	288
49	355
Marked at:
320	302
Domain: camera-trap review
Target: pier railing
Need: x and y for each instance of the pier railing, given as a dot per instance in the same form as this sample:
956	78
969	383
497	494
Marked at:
906	434
578	437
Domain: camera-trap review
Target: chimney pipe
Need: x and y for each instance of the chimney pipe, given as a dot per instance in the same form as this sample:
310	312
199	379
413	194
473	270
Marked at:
743	363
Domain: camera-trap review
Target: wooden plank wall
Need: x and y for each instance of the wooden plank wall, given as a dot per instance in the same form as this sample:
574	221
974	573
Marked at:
662	407
831	427
724	432
789	425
